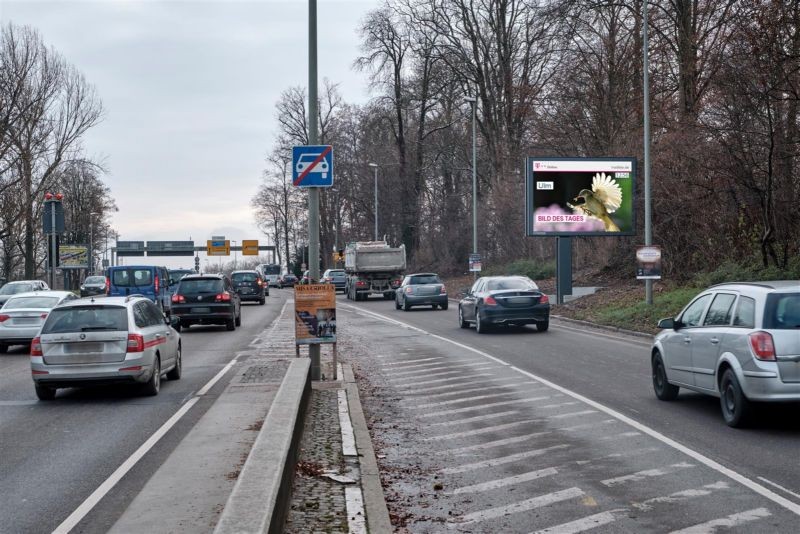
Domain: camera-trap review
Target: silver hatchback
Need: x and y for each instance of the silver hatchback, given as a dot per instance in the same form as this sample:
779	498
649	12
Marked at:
105	341
737	341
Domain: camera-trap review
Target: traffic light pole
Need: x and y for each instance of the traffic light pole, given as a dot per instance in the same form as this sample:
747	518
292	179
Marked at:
313	192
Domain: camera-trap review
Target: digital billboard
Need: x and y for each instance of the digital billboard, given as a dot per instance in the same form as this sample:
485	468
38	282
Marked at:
580	196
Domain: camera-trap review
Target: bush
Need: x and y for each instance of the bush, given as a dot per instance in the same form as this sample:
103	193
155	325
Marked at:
747	272
535	270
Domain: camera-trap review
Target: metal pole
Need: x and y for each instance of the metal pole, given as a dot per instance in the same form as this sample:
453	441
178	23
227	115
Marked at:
474	186
313	192
53	248
376	203
648	230
91	246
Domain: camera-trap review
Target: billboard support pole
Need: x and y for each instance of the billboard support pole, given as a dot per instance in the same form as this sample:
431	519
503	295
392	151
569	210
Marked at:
313	192
53	247
563	268
648	230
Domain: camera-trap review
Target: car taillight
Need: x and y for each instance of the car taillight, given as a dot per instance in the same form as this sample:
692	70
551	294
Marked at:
36	347
409	290
178	299
43	316
223	297
259	282
135	343
443	291
544	299
108	285
489	301
156	283
4	318
361	283
763	346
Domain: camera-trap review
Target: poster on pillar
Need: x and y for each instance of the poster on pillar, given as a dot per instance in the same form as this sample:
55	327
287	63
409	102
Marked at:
580	196
315	314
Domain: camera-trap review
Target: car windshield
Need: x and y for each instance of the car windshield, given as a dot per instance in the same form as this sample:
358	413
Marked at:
95	280
132	277
19	303
424	279
244	277
782	311
175	276
200	285
336	274
510	283
13	289
85	318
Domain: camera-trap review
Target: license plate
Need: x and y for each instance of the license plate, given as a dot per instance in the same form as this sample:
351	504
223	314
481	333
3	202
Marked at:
247	290
520	300
26	320
201	310
81	348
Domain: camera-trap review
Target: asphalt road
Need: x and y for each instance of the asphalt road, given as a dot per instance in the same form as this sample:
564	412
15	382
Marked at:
608	368
53	455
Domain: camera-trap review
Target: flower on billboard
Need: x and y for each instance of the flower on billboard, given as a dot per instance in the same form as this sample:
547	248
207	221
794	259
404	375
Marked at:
604	198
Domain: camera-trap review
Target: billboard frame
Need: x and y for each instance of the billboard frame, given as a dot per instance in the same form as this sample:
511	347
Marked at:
529	198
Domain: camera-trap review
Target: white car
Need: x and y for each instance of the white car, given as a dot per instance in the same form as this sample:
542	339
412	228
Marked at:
307	159
23	314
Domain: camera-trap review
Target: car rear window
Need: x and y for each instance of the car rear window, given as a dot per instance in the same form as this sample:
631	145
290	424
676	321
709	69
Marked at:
200	285
426	279
131	277
336	274
86	318
244	277
510	283
95	280
13	289
782	311
30	302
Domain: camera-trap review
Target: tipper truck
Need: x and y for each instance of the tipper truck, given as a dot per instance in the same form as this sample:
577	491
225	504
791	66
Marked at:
373	268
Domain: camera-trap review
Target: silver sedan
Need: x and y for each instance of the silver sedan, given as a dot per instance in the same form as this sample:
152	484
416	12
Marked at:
23	314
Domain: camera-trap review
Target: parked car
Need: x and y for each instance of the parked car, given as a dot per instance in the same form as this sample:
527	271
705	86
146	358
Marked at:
105	341
175	276
250	286
93	285
207	299
421	289
22	315
504	300
147	280
737	341
21	286
287	280
337	277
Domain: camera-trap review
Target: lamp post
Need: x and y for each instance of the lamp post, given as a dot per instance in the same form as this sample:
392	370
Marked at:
375	166
473	104
234	253
91	242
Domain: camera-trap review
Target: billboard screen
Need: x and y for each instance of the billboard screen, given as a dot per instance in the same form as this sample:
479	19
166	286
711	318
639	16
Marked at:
580	196
73	256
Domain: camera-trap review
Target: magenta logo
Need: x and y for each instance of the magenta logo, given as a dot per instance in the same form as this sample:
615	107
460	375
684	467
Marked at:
537	164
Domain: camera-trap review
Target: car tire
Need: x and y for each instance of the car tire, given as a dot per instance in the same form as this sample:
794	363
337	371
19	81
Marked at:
153	385
44	393
542	326
406	306
736	409
238	320
480	326
175	372
262	302
230	324
461	322
396	304
443	306
663	389
3	348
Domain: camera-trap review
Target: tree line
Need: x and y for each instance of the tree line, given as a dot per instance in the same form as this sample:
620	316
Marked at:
556	78
46	107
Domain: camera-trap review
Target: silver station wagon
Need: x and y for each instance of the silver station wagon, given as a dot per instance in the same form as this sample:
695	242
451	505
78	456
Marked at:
105	341
737	341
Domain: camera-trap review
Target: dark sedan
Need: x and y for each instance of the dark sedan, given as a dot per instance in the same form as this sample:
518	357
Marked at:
337	277
93	285
250	286
421	289
206	299
504	300
287	280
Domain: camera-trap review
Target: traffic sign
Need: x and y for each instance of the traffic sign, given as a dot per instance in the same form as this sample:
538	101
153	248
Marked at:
218	248
312	166
170	248
249	247
130	248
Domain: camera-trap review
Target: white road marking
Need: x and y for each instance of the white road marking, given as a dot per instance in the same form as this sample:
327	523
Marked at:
508	481
523	506
404	362
356	517
733	520
216	378
473	390
559	405
423	391
612	337
571	414
442	380
496	443
482	406
348	437
580	525
648	473
466	399
679	496
426	367
771	483
399	381
478	431
494	462
486	417
699	457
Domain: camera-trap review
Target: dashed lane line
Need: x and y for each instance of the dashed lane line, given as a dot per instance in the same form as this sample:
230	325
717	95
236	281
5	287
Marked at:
507	481
523	506
494	462
477	418
483	406
580	525
643	475
731	521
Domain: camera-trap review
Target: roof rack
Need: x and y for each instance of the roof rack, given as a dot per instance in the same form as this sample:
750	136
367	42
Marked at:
133	295
755	284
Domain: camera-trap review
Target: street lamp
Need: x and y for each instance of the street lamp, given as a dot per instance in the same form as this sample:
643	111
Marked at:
473	103
91	241
375	166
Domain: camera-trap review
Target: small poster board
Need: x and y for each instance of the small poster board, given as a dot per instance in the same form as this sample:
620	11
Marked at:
315	314
648	263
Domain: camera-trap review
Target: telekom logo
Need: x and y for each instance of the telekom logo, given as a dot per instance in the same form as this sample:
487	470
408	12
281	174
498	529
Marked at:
537	164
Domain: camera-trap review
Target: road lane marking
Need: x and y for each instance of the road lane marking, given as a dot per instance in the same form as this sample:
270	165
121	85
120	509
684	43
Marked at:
432	365
486	417
580	525
401	362
733	520
496	443
647	473
466	399
679	496
507	481
571	414
217	377
478	431
559	405
348	437
402	380
494	462
697	456
482	407
442	380
473	390
452	367
423	391
523	506
771	483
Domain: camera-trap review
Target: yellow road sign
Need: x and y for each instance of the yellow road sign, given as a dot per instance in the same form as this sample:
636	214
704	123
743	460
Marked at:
218	248
249	247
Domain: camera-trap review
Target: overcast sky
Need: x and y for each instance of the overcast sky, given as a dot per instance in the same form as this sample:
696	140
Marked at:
189	90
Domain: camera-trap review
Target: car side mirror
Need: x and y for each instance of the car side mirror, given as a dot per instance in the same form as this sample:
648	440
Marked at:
465	291
172	320
669	323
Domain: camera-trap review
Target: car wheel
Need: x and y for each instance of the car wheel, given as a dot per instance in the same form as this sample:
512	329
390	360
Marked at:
663	389
153	386
3	348
175	372
461	322
542	326
480	326
406	306
443	306
230	324
45	393
736	408
238	319
396	304
262	302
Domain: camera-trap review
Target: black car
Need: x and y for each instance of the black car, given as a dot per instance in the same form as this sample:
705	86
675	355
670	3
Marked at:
337	277
287	280
93	285
207	299
250	286
504	300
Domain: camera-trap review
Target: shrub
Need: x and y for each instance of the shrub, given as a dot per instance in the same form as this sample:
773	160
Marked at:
535	270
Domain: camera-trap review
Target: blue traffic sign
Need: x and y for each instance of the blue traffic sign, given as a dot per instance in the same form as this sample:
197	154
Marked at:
312	166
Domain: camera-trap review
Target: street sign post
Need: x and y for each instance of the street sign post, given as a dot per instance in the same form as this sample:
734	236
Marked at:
249	247
218	248
312	166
